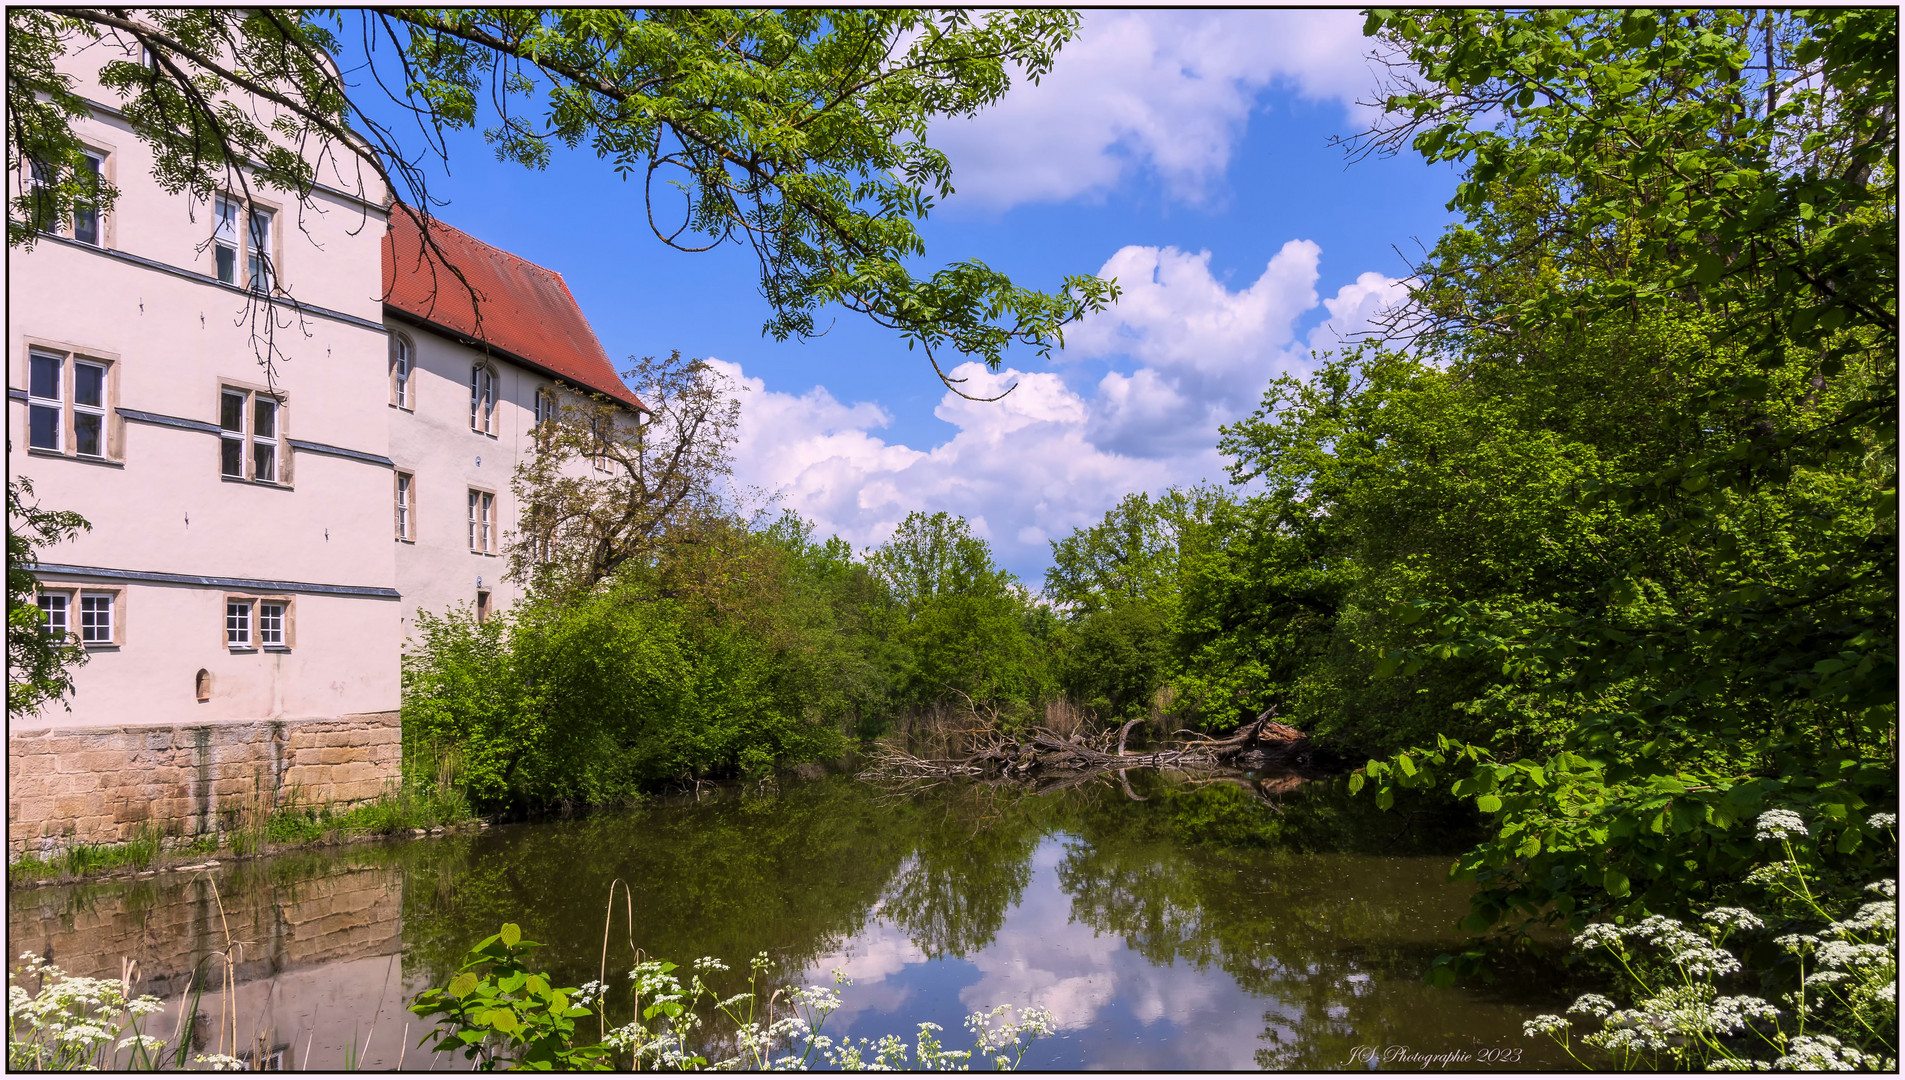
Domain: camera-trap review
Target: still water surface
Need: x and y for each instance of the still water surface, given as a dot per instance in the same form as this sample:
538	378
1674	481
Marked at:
1195	929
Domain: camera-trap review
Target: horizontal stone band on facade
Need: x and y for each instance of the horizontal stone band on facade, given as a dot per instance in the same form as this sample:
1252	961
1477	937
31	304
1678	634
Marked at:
206	279
369	592
338	451
168	421
301	445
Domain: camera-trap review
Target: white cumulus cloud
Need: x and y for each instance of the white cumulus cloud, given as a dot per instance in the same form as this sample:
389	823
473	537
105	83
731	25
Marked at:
1191	353
1164	91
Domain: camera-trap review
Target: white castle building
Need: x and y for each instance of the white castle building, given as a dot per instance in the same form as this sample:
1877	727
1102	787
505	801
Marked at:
259	547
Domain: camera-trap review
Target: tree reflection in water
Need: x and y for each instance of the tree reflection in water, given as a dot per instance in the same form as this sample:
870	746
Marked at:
1168	920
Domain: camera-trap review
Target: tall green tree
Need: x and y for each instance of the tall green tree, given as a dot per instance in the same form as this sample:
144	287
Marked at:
1724	175
798	134
965	616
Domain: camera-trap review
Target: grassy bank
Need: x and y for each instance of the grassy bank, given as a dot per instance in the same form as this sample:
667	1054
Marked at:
290	825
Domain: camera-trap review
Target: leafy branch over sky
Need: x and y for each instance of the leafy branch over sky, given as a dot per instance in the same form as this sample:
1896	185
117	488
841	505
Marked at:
797	134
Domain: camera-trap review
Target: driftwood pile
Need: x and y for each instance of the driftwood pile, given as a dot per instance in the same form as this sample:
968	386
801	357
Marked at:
1046	755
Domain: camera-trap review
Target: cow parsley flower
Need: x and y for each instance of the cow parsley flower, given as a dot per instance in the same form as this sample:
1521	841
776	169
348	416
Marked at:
1592	1004
1882	821
1780	825
1733	918
1545	1024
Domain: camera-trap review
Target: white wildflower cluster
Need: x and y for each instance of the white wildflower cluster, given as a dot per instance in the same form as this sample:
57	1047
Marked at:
793	1041
1000	1030
1545	1024
888	1054
1773	873
1781	825
72	1022
1848	985
1732	918
220	1062
1823	1053
1883	821
1694	953
1592	1004
588	994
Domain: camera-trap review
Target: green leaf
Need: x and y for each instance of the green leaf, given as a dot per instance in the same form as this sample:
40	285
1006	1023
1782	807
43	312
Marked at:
462	984
1355	782
1615	883
1488	804
511	934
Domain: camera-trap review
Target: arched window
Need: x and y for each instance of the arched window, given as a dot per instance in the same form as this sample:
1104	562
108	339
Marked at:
483	399
402	356
202	685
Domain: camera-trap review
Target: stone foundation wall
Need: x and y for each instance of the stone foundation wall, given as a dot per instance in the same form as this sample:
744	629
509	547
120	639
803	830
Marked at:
109	785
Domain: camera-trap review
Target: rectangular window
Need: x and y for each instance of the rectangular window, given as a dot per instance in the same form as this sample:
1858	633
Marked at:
53	610
231	423
67	413
225	239
40	197
95	618
483	399
405	485
271	624
238	624
400	372
264	439
86	212
45	400
258	253
483	522
250	426
89	409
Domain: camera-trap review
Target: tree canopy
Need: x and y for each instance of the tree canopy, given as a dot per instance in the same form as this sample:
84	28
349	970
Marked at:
799	134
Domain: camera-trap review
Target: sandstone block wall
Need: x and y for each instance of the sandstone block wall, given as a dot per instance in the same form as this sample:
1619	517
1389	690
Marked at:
109	785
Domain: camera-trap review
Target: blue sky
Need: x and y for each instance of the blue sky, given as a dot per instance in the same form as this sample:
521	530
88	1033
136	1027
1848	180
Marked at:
1186	152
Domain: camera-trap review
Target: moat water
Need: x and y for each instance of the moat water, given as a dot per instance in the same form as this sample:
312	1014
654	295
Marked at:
1174	925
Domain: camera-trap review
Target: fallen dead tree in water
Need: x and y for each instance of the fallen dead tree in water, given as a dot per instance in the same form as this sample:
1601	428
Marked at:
1046	755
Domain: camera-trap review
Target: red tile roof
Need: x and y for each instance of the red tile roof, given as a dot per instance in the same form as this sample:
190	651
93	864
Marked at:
525	310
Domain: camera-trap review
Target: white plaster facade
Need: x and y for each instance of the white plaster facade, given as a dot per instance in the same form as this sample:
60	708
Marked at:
174	541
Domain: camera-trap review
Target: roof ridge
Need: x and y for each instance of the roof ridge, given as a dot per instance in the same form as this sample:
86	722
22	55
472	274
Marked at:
557	274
